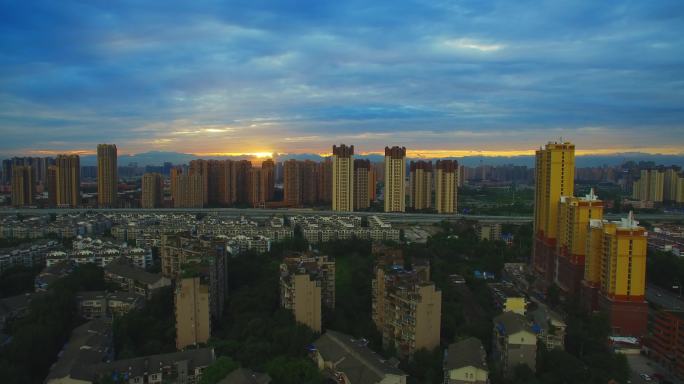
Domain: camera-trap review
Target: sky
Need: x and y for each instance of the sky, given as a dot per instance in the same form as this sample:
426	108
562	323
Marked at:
442	78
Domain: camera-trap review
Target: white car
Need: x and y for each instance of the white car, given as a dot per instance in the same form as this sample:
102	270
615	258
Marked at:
646	377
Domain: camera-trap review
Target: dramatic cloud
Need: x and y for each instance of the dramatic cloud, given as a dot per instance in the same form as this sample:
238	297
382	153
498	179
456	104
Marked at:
297	76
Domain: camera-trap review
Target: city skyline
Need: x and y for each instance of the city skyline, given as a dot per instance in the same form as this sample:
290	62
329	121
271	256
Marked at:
443	79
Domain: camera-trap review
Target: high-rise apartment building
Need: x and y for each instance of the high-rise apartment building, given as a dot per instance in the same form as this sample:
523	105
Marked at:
23	186
68	181
201	268
52	185
362	174
261	185
574	215
615	274
175	173
325	177
554	170
406	308
650	186
372	183
306	283
395	179
291	183
189	191
343	178
446	186
193	319
152	190
420	185
670	181
239	179
200	168
219	182
461	175
107	175
267	180
309	182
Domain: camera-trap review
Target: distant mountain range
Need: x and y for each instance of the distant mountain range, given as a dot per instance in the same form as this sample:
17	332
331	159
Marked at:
158	158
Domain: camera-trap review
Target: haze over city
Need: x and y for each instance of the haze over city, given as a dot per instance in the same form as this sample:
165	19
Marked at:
442	78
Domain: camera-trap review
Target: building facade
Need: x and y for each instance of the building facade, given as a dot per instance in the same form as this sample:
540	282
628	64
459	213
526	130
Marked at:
446	186
343	178
574	215
615	274
107	175
23	186
68	181
362	170
152	195
395	179
420	185
307	283
406	308
554	172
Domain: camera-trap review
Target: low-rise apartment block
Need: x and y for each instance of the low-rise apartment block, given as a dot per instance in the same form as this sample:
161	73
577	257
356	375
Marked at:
306	283
101	304
514	342
133	279
465	362
406	308
349	360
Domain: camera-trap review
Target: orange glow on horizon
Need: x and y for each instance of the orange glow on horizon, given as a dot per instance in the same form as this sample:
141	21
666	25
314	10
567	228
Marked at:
412	153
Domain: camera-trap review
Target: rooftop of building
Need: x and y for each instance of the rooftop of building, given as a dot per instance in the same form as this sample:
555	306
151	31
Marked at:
89	344
121	267
138	366
509	323
352	357
466	353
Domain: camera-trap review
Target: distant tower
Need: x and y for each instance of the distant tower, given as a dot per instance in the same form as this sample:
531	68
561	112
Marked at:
23	186
446	186
152	190
395	179
362	180
343	178
68	181
107	175
420	184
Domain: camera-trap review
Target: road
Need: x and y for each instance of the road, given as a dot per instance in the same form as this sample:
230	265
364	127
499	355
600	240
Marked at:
664	298
267	212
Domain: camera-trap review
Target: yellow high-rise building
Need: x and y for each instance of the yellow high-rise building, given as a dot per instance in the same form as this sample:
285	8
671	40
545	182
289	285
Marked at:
679	197
193	315
68	181
574	215
23	186
343	178
555	177
152	191
446	186
395	179
362	180
420	185
615	273
107	175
